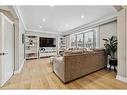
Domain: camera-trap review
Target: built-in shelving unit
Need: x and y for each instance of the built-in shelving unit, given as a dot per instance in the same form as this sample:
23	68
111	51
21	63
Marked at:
31	46
61	44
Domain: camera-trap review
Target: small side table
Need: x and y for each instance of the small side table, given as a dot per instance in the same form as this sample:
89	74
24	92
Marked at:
113	62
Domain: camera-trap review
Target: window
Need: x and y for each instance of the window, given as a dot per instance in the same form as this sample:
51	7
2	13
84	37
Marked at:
73	41
89	39
85	39
80	40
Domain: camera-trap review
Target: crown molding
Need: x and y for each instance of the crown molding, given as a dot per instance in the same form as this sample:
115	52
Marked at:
117	7
93	24
19	14
45	32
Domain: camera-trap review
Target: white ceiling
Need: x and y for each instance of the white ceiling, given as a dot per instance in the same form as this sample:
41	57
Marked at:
57	19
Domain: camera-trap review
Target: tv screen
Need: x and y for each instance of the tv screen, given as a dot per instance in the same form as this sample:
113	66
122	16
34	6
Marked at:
47	42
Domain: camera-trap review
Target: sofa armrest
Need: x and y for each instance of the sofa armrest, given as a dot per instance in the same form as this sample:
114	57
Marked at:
58	67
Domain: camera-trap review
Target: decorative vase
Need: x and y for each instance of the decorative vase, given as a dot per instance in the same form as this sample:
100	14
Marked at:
113	62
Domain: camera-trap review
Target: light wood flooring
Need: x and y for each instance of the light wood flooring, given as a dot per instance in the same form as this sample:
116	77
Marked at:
37	74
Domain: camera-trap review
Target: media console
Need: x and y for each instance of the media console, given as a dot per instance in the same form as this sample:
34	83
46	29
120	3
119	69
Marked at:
47	51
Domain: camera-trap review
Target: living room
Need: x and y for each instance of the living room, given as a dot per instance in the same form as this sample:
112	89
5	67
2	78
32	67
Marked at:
62	47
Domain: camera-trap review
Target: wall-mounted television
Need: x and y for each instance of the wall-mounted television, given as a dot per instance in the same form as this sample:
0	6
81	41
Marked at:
47	42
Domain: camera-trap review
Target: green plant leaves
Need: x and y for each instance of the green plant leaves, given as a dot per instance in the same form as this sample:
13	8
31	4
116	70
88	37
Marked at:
105	40
111	46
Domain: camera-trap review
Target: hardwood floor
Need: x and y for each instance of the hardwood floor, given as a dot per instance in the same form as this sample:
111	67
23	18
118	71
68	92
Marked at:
37	74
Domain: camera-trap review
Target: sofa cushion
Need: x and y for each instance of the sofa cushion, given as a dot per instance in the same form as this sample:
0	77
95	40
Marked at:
70	49
70	52
76	51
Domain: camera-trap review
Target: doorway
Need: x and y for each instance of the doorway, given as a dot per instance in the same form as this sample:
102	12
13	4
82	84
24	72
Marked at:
6	49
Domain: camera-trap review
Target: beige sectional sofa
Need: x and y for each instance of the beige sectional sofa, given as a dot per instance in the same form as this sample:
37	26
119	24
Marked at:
74	65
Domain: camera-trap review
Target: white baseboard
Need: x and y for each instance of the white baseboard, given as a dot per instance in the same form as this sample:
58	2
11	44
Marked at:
118	77
20	69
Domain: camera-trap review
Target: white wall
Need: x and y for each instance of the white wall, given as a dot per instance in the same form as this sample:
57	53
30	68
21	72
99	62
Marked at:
0	48
122	45
106	31
16	45
19	46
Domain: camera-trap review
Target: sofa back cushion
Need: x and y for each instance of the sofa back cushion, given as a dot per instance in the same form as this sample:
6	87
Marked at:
71	52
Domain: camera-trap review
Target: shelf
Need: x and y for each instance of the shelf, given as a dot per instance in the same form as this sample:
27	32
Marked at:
31	46
30	57
61	44
31	52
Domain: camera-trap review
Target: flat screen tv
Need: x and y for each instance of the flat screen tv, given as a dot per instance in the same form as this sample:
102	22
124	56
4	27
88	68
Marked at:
47	42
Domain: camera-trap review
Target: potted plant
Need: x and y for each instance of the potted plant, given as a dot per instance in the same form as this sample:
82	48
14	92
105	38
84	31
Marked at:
111	48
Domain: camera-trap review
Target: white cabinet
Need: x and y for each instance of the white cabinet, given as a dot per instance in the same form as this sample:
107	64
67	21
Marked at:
31	46
47	51
61	44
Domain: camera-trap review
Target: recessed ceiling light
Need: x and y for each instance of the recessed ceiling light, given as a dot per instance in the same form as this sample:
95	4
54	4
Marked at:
44	20
51	6
40	26
82	16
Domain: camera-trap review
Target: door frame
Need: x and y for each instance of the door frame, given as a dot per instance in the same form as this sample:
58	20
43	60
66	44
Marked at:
4	17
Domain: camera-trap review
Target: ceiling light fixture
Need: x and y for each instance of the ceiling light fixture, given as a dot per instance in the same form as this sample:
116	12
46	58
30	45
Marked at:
82	16
51	6
44	20
40	26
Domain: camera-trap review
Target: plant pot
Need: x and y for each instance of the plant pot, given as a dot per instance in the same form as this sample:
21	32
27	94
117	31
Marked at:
113	62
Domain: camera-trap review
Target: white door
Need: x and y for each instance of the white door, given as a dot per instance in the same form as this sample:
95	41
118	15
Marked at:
6	49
